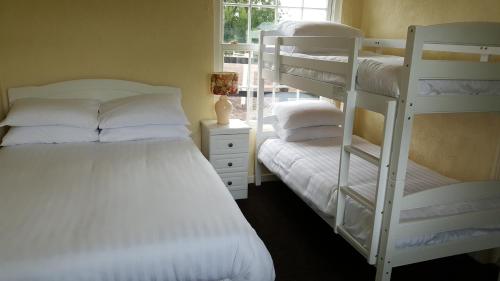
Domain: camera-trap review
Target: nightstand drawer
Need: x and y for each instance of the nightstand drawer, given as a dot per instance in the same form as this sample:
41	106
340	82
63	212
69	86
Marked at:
239	194
235	180
230	163
224	144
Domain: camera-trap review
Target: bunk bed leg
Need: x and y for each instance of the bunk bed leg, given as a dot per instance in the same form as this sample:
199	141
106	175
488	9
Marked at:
258	173
349	116
345	156
260	113
399	156
384	271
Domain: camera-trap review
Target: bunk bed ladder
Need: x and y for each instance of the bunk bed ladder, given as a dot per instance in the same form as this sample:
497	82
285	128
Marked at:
382	163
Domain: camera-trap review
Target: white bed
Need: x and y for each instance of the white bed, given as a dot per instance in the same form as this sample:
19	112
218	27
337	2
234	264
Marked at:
310	169
399	89
136	210
380	73
96	211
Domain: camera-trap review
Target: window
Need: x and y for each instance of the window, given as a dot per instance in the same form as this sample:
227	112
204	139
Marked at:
237	23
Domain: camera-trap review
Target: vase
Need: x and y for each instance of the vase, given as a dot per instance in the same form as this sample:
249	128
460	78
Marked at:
223	108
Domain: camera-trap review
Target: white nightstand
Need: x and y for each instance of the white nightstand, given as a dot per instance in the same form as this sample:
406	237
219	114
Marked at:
226	147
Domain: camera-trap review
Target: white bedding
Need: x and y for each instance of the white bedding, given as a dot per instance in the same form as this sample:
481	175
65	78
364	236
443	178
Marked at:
380	73
310	169
135	211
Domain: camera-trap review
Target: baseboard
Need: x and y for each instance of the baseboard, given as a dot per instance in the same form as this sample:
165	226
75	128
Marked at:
265	178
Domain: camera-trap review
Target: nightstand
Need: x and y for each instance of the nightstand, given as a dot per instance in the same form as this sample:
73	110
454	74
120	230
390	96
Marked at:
226	147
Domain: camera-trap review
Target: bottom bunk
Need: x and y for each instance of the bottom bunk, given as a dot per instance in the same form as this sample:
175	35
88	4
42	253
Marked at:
310	169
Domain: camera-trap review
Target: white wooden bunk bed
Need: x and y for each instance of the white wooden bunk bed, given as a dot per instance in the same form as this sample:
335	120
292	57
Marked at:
399	108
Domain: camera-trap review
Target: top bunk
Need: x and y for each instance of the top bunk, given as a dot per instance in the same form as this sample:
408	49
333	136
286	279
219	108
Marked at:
330	66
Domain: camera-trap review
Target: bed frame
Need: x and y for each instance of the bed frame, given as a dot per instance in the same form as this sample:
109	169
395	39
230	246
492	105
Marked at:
477	38
99	89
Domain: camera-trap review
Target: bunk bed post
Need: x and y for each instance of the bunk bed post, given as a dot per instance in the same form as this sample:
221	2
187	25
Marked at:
349	115
260	112
400	149
382	178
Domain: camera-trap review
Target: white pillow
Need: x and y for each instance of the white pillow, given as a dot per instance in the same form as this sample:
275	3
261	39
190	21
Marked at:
144	132
309	133
148	109
48	134
308	28
50	112
299	114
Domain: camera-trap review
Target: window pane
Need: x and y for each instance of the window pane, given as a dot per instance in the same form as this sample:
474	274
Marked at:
235	24
291	3
314	15
264	2
316	4
236	1
262	19
237	61
254	71
289	14
239	107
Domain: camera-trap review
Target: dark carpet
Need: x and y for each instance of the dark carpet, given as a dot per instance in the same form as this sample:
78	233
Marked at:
304	247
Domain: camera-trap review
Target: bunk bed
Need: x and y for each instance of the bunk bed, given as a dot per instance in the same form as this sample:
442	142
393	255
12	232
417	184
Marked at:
464	86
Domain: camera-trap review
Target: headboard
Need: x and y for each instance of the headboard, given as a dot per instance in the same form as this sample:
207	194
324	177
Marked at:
99	89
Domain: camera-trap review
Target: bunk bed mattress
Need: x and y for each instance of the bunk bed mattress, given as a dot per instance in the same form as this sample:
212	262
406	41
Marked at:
380	73
146	210
310	169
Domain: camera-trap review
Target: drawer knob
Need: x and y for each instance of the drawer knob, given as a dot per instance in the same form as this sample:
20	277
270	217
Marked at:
229	183
230	144
230	164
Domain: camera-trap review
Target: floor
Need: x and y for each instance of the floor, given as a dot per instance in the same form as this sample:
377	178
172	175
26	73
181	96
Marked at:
304	247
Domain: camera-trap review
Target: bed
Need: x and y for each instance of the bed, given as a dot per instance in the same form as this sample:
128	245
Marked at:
399	89
310	169
120	211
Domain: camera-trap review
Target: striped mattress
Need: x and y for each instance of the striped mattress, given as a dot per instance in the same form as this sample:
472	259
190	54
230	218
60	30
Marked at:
135	211
310	169
380	74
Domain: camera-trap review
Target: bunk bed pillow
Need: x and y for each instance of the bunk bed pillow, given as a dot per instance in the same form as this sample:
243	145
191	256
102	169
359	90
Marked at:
308	28
309	133
53	112
144	132
300	114
48	134
148	109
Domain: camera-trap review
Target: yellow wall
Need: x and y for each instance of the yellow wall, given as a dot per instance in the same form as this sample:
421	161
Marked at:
463	146
351	14
151	41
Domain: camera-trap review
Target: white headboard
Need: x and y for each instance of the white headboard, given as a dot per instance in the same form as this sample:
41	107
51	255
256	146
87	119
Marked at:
99	89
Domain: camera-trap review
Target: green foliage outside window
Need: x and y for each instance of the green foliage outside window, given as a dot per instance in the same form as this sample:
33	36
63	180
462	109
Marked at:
236	20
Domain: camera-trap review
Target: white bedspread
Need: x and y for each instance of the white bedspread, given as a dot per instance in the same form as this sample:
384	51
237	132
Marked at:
380	73
135	211
310	169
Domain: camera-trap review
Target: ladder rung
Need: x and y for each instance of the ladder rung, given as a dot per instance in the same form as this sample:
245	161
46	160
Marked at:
353	241
364	155
358	197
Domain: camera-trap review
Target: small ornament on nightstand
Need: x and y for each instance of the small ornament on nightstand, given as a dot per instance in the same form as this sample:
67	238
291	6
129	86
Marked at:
223	84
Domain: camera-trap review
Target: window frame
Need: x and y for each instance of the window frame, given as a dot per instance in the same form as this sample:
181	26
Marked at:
333	9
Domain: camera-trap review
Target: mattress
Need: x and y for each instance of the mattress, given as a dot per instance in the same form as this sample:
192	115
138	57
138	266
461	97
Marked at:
310	169
380	73
146	210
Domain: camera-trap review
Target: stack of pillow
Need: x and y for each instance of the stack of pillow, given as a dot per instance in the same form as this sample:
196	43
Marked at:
34	120
310	28
307	120
143	117
150	116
